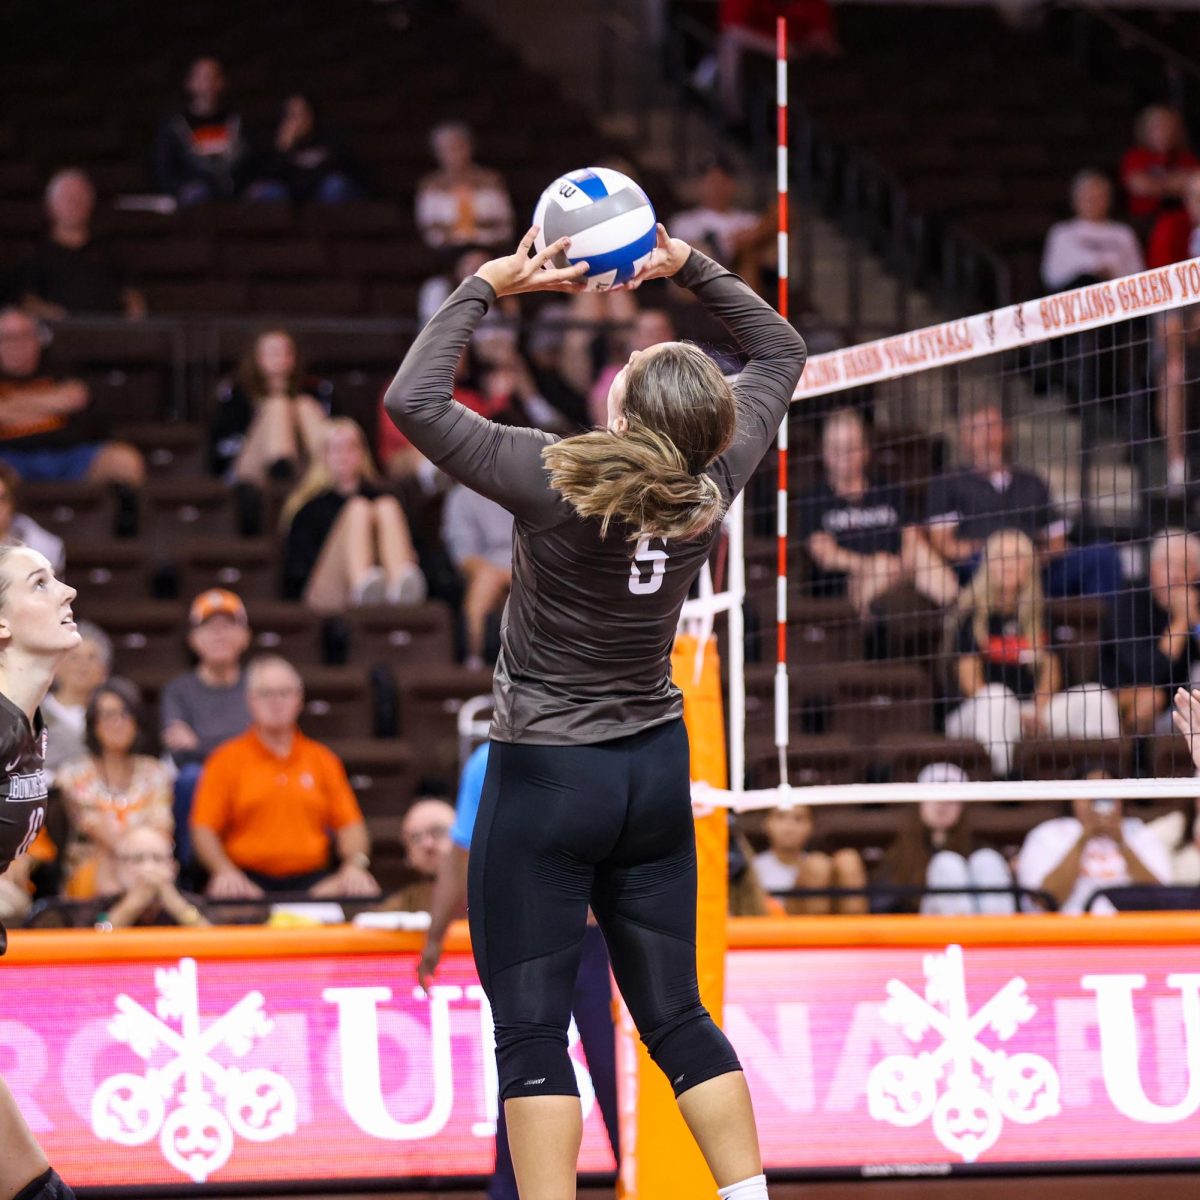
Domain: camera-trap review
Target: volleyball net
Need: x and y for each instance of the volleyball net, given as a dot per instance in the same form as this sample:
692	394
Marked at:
990	585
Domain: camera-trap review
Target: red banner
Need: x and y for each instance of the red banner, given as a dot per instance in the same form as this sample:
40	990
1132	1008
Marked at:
884	1060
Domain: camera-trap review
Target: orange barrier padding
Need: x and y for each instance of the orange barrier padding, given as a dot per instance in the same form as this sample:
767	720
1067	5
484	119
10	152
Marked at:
744	933
1045	929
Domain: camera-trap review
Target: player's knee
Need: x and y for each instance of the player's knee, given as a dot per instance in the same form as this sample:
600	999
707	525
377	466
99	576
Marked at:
690	1049
532	1060
47	1186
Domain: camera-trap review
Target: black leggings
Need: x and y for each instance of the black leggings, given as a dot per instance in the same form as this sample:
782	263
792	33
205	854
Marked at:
610	825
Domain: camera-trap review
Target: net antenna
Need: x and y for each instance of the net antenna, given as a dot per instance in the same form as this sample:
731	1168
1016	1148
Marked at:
781	588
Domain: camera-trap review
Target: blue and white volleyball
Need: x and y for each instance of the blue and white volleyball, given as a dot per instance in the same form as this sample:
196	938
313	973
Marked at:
608	218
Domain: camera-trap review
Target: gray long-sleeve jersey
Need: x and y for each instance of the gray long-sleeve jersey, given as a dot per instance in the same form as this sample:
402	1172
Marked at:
586	638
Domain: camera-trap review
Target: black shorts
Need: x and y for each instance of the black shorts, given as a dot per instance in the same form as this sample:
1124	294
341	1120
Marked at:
607	825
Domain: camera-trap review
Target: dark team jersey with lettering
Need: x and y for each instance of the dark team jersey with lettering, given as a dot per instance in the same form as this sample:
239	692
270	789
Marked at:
587	632
22	784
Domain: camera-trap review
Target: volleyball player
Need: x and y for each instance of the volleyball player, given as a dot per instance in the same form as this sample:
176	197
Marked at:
587	793
36	631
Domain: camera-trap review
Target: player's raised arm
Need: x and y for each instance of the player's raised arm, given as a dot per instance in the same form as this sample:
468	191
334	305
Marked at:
776	351
498	461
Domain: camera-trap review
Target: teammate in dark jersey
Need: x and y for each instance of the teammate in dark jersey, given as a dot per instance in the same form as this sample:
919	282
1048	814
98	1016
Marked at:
36	631
587	795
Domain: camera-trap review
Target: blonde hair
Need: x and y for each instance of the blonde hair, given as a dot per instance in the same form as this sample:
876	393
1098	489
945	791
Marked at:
317	478
651	477
978	599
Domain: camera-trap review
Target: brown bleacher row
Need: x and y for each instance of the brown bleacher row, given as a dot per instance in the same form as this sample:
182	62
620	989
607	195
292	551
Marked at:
379	89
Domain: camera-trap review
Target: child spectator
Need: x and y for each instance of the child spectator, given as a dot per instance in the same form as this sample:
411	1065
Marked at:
1150	643
426	835
1071	857
478	536
1155	168
787	864
268	425
347	541
72	271
308	160
49	433
272	803
203	708
938	849
110	790
146	893
1090	247
17	527
859	533
1008	676
65	709
460	203
201	152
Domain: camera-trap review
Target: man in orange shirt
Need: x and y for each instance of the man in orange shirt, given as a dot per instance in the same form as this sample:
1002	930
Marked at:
270	803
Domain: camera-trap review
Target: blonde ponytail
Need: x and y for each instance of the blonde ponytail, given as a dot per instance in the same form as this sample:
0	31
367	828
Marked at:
637	478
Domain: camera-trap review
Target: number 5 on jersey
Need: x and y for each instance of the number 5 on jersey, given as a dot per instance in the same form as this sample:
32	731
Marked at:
647	569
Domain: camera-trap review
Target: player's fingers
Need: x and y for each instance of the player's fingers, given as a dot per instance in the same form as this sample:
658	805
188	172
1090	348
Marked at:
1181	723
663	237
563	274
540	259
527	241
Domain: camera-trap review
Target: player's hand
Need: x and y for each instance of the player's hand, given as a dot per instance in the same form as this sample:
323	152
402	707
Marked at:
526	272
231	884
667	257
428	964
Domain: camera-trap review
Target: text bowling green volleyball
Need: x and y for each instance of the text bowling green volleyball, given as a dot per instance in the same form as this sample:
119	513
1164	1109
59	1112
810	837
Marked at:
608	218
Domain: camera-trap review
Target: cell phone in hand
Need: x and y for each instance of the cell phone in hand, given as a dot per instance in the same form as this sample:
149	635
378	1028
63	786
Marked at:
1104	807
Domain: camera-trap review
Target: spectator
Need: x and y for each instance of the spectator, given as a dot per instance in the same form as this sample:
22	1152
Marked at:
71	271
17	527
747	896
1090	247
268	424
749	25
1153	171
858	532
1008	677
938	849
788	864
460	203
49	433
308	160
1179	831
990	494
1071	857
110	789
478	536
64	710
207	706
734	237
146	892
346	540
1176	236
1150	643
425	832
1176	233
544	346
272	803
201	152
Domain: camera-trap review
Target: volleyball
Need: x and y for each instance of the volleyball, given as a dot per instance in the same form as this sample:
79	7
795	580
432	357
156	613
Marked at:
607	216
